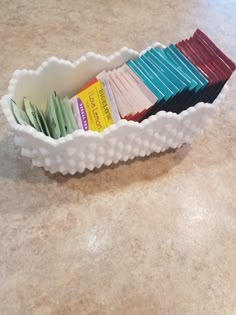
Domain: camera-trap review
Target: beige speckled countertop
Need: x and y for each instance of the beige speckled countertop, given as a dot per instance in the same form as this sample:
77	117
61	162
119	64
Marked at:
152	236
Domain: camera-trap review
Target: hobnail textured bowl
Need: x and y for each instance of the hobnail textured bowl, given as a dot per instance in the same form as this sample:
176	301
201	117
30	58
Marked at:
88	150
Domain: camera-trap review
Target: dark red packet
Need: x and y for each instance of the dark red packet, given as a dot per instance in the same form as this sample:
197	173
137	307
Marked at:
205	39
193	55
221	68
204	61
199	62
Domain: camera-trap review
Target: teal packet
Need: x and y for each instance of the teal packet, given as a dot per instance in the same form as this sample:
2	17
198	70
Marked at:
162	64
169	79
191	84
181	94
178	96
159	71
159	84
202	83
191	66
143	77
189	96
175	55
196	95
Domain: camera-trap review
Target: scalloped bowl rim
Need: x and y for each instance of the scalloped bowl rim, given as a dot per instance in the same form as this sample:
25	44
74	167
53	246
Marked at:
5	100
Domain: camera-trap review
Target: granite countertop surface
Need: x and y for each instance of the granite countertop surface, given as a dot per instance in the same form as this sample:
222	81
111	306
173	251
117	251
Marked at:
153	236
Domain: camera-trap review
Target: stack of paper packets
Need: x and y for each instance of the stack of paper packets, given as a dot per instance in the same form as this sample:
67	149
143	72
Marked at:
171	79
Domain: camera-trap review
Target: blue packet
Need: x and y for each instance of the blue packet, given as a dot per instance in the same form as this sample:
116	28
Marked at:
184	93
145	79
190	65
186	66
191	84
180	85
159	71
171	74
154	78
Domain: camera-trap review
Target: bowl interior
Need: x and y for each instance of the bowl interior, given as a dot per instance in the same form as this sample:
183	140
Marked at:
64	77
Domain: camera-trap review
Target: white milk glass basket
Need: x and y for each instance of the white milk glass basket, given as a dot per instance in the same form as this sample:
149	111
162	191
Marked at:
83	150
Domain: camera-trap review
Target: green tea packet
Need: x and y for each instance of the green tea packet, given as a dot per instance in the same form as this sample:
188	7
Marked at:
31	113
51	118
65	116
36	117
44	123
70	113
61	122
19	114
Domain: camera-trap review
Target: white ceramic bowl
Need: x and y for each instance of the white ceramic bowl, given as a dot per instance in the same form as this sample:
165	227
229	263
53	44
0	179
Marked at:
86	150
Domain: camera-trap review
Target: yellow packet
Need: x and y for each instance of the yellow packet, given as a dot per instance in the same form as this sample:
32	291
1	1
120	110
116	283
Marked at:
91	107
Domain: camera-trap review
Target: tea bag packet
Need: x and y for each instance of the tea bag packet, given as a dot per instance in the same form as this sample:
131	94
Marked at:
79	114
163	76
187	67
200	36
64	117
123	105
147	98
60	118
163	66
204	62
155	78
89	84
44	125
36	117
212	69
131	93
177	57
146	80
126	95
30	111
19	114
137	102
120	102
161	83
91	107
103	77
218	59
191	84
202	82
186	76
181	82
177	70
140	84
68	107
51	118
141	100
190	53
78	109
194	56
